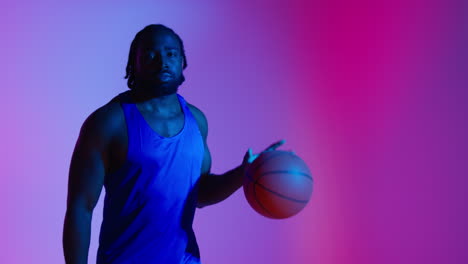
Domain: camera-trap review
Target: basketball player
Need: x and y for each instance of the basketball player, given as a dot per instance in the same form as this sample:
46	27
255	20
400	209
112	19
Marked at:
148	148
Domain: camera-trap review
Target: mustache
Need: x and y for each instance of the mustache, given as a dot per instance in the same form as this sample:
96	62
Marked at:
156	72
164	71
153	79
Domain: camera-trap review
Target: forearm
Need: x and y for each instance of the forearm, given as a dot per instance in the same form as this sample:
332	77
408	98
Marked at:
216	188
76	236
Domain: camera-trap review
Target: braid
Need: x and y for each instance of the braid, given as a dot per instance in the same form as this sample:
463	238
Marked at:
133	48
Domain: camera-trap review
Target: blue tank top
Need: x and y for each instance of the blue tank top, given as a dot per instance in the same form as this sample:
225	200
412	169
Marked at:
150	201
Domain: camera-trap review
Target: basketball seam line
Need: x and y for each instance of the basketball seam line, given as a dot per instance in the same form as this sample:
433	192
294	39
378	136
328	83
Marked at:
264	161
282	196
259	203
269	190
286	171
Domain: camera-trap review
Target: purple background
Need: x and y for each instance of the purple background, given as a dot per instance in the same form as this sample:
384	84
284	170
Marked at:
371	94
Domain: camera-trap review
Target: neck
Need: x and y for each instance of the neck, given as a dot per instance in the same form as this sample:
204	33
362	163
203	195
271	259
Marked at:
156	104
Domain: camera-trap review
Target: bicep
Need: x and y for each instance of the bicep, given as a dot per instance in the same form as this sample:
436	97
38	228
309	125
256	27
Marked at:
87	170
206	164
203	127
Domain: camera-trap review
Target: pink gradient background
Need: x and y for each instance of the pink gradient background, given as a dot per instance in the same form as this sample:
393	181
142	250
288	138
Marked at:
371	94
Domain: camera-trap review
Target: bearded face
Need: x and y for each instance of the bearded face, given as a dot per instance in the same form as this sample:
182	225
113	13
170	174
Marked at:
159	64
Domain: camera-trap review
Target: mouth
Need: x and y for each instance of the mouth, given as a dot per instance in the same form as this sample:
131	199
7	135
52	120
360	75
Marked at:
164	73
164	76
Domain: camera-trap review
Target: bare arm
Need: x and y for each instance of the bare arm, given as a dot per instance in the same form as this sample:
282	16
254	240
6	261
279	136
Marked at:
86	178
216	188
212	188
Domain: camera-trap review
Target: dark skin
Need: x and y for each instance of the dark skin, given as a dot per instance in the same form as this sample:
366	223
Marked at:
102	144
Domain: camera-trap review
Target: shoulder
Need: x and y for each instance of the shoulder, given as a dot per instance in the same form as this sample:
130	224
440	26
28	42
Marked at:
103	123
201	119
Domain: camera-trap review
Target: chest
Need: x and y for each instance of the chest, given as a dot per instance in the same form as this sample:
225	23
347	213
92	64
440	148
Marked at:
165	126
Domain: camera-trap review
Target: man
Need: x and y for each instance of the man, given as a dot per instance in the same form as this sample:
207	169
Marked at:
148	148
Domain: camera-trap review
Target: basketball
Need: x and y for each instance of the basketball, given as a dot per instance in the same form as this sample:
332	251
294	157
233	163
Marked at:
278	184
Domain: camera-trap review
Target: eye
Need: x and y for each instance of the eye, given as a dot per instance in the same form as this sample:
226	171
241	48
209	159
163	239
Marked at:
171	54
147	57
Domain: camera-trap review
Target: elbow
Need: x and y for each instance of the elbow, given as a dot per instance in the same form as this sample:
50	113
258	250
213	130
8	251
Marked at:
201	195
200	204
78	212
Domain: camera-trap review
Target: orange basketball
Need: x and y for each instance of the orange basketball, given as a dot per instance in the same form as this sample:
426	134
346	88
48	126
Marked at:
278	184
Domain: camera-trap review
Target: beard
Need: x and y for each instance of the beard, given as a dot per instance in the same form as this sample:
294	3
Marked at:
156	88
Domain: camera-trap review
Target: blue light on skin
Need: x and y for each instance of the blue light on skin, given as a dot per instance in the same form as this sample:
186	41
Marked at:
158	64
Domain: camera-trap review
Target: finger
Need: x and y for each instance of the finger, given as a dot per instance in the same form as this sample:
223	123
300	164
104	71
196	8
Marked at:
275	145
247	155
253	157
